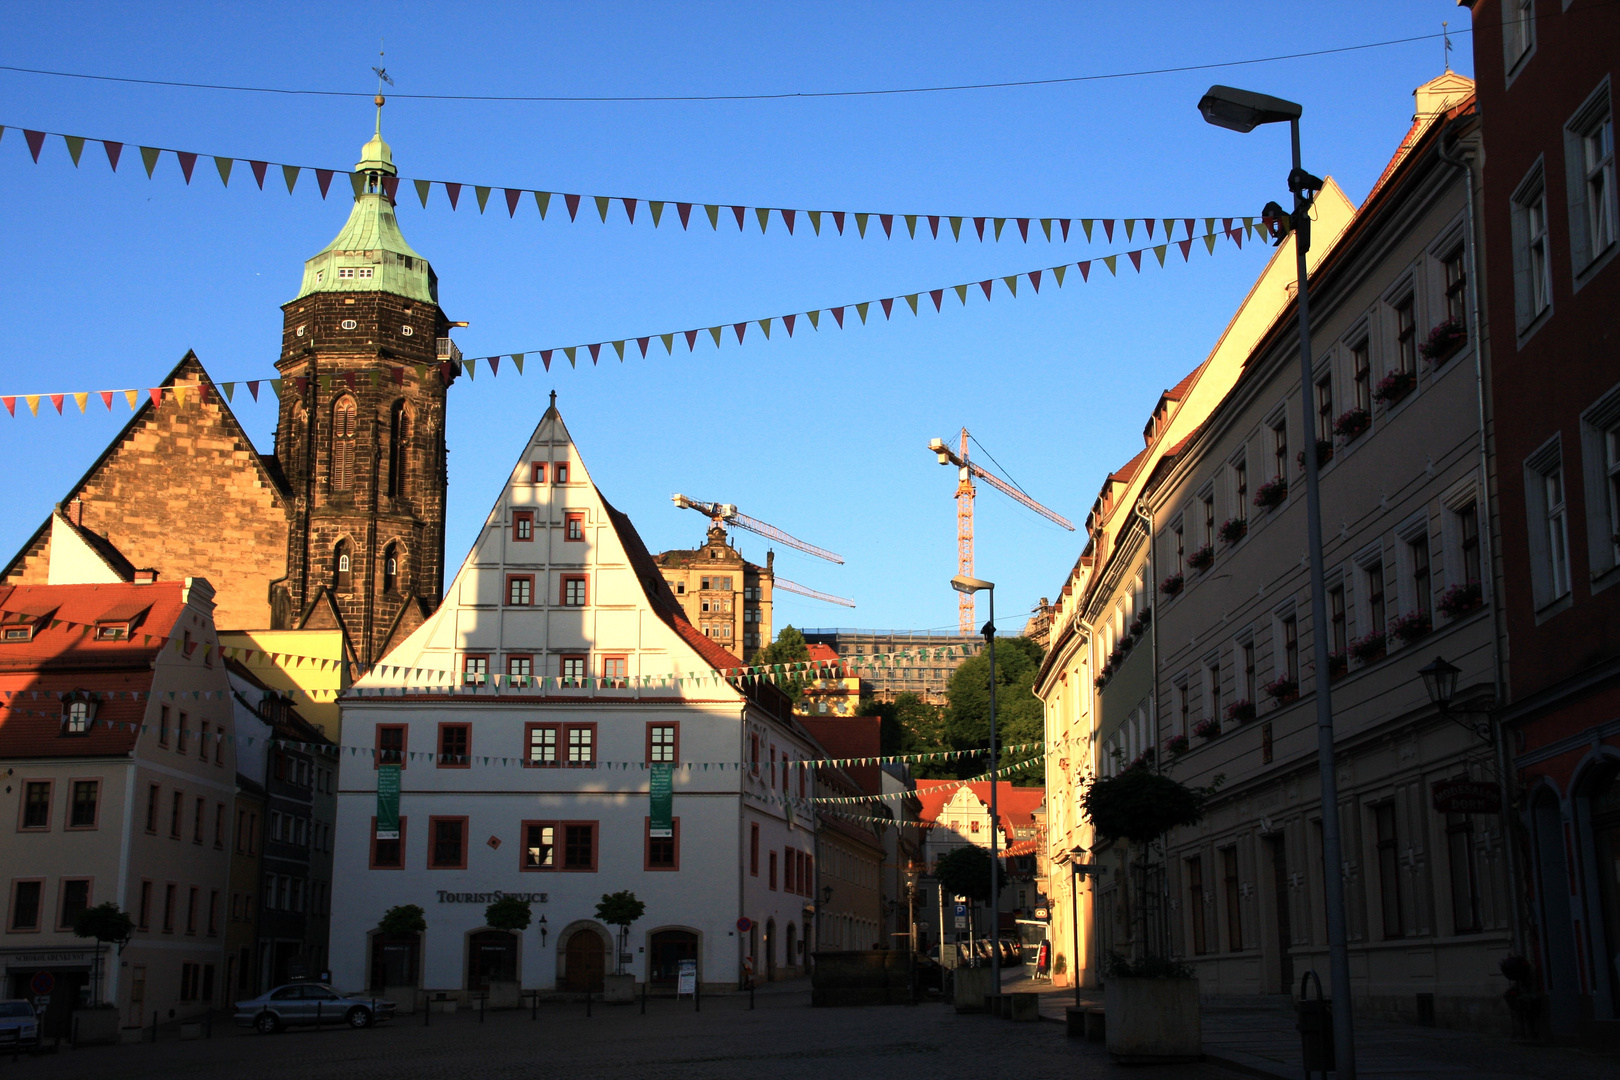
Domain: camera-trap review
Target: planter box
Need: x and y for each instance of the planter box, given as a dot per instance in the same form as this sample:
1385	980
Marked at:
403	997
618	989
970	987
1153	1020
95	1027
504	995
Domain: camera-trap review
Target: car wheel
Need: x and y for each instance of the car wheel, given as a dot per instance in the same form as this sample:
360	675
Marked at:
267	1023
359	1017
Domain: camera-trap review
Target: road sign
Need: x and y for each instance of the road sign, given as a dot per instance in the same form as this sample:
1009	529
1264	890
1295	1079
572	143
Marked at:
745	924
1041	913
42	983
961	911
961	922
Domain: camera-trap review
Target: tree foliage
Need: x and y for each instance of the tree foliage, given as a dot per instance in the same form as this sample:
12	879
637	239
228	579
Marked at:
788	648
965	871
106	923
620	909
403	919
910	725
1141	805
508	913
1020	715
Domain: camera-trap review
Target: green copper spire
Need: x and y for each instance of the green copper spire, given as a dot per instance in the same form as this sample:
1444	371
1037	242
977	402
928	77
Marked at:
370	254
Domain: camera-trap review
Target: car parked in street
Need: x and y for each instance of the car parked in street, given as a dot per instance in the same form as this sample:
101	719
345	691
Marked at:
19	1024
310	1003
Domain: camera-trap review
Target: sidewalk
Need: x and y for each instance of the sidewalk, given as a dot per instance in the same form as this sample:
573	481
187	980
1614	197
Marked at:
1258	1038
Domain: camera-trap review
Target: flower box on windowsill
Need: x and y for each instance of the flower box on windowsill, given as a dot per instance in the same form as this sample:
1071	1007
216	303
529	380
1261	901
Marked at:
1444	341
1282	690
1272	494
1207	729
1368	649
1324	454
1459	600
1173	584
1177	745
1202	559
1351	424
1232	530
1394	386
1240	712
1411	626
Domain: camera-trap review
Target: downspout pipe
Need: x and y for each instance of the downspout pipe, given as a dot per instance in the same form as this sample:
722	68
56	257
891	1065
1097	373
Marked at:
1465	163
1145	515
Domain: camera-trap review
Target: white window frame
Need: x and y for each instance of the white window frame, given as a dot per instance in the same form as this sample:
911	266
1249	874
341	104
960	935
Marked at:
1518	36
1532	253
1594	215
1600	466
1548	527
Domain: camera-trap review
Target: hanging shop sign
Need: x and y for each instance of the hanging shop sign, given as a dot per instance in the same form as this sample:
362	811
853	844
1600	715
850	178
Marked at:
388	802
1466	797
661	811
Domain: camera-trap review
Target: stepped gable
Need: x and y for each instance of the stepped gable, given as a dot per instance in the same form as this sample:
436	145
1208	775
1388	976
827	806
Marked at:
180	489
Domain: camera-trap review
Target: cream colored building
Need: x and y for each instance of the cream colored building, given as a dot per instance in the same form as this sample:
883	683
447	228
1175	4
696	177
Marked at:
724	595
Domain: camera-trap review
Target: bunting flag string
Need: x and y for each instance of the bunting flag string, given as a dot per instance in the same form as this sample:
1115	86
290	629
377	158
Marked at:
1234	230
715	214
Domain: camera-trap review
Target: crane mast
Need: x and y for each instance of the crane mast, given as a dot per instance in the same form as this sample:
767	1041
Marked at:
726	513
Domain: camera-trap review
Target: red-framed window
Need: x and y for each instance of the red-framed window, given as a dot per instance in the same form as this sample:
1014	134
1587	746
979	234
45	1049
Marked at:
572	670
663	741
447	843
753	850
474	669
559	473
753	752
177	810
84	804
573	591
455	746
579	743
35	813
574	527
519	669
154	807
539	848
773	871
662	852
73	897
523	526
540	745
579	845
789	869
568	846
771	776
616	671
388	854
27	896
391	745
537	472
519	590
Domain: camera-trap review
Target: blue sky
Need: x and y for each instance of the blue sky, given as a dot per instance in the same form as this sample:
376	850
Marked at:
111	278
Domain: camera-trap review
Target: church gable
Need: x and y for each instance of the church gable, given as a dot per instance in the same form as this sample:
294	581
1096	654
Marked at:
558	592
181	490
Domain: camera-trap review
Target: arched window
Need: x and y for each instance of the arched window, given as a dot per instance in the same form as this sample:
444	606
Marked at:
77	720
343	429
399	434
390	581
342	565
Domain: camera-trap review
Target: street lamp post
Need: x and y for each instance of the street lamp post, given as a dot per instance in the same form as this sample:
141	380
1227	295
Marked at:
964	584
1243	111
1074	914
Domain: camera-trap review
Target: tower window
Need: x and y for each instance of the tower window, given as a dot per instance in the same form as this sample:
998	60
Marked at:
398	447
364	272
343	432
406	331
342	565
390	568
349	324
345	272
559	473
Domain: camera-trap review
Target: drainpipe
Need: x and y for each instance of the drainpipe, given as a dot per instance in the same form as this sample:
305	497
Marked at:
1465	163
1146	516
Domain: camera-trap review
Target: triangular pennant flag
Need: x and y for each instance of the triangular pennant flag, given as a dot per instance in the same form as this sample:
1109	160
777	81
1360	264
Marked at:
357	182
978	223
985	285
713	211
838	220
657	209
629	210
323	177
838	314
787	321
290	174
602	204
56	400
936	295
572	202
596	351
1136	259
1209	242
815	221
691	340
424	188
115	150
1058	272
1108	228
483	196
1035	280
130	396
517	361
494	366
1012	284
764	216
572	352
999	222
739	212
765	327
1186	249
912	300
961	294
669	343
157	396
618	347
888	306
956	228
1145	221
106	399
80	399
512	197
258	168
545	358
642	342
542	202
815	319
1159	252
887	221
36	141
149	157
739	327
911	225
1110	261
714	332
75	145
860	223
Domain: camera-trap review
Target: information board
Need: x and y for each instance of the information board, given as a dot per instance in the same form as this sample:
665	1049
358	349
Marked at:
686	978
659	787
388	802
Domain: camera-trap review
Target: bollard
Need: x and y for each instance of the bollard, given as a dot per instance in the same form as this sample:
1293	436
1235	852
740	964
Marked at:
481	999
750	995
427	1011
644	999
318	1005
587	1003
1315	1027
154	1025
534	1004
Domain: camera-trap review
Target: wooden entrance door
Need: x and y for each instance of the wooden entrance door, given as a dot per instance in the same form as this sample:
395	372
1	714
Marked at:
585	959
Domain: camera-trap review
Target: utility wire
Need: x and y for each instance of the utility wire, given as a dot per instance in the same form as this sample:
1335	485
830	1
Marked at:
585	99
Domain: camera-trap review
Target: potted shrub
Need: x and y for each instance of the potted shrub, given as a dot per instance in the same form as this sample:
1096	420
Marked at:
1324	454
1172	585
1394	386
1177	745
402	927
1272	494
108	925
1369	648
1443	341
1282	689
1460	599
512	915
1202	559
1240	712
1207	729
1232	530
1411	626
1352	423
620	909
965	871
1117	657
1150	1001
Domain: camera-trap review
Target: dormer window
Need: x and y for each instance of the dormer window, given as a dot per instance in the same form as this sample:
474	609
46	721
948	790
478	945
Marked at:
112	631
77	715
364	272
20	633
345	273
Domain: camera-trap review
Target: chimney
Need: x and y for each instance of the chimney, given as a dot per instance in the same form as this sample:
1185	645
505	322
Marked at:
145	577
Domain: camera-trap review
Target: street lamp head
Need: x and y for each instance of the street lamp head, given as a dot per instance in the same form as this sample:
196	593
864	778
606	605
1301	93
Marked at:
1244	110
964	584
1440	680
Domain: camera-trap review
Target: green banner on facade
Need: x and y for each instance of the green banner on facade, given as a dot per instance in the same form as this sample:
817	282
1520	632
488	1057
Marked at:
660	778
388	802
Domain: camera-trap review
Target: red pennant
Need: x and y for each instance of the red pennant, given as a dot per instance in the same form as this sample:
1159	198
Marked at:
1023	228
1063	223
573	205
985	285
157	396
494	366
933	225
106	399
888	224
56	399
888	306
1108	227
545	358
202	393
629	209
936	296
838	220
454	191
642	341
253	388
1085	270
258	171
1136	260
398	375
788	321
838	313
596	351
1190	222
978	223
391	188
303	383
10	403
1186	248
1149	222
739	211
114	151
740	327
448	371
691	340
36	142
512	197
685	210
323	177
188	161
1035	279
787	219
1237	238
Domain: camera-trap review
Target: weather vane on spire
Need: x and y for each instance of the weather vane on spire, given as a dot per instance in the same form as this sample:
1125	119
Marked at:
1445	34
382	77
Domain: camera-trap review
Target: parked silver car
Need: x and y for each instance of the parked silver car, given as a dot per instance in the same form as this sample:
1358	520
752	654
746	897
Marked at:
18	1023
310	1003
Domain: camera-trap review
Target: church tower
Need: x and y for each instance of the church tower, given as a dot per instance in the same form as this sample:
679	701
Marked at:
367	359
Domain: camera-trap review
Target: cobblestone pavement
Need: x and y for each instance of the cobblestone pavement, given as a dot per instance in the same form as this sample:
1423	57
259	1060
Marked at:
782	1038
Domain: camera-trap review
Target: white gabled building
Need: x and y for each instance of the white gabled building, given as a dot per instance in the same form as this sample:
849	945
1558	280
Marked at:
522	713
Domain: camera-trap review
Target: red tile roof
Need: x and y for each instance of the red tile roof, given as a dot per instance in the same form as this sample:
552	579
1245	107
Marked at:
1016	806
823	653
851	737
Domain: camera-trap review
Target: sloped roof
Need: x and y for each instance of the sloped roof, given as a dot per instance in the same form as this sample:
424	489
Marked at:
1015	806
823	653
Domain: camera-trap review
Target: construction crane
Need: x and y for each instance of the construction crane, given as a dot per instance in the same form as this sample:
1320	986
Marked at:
966	471
804	590
726	514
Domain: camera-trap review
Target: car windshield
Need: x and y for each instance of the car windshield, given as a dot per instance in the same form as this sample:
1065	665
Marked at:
16	1008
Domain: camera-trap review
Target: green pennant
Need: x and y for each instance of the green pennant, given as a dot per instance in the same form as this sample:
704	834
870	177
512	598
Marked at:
1169	227
1046	227
223	164
1109	261
517	360
956	228
75	145
912	300
483	196
1209	242
764	215
1159	251
714	216
1058	272
815	318
357	181
657	209
815	220
861	310
602	203
230	390
1000	221
765	325
860	223
1130	227
424	188
1086	223
572	352
961	294
911	225
669	343
714	332
290	174
149	156
276	385
470	367
1012	284
1248	222
542	200
618	347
